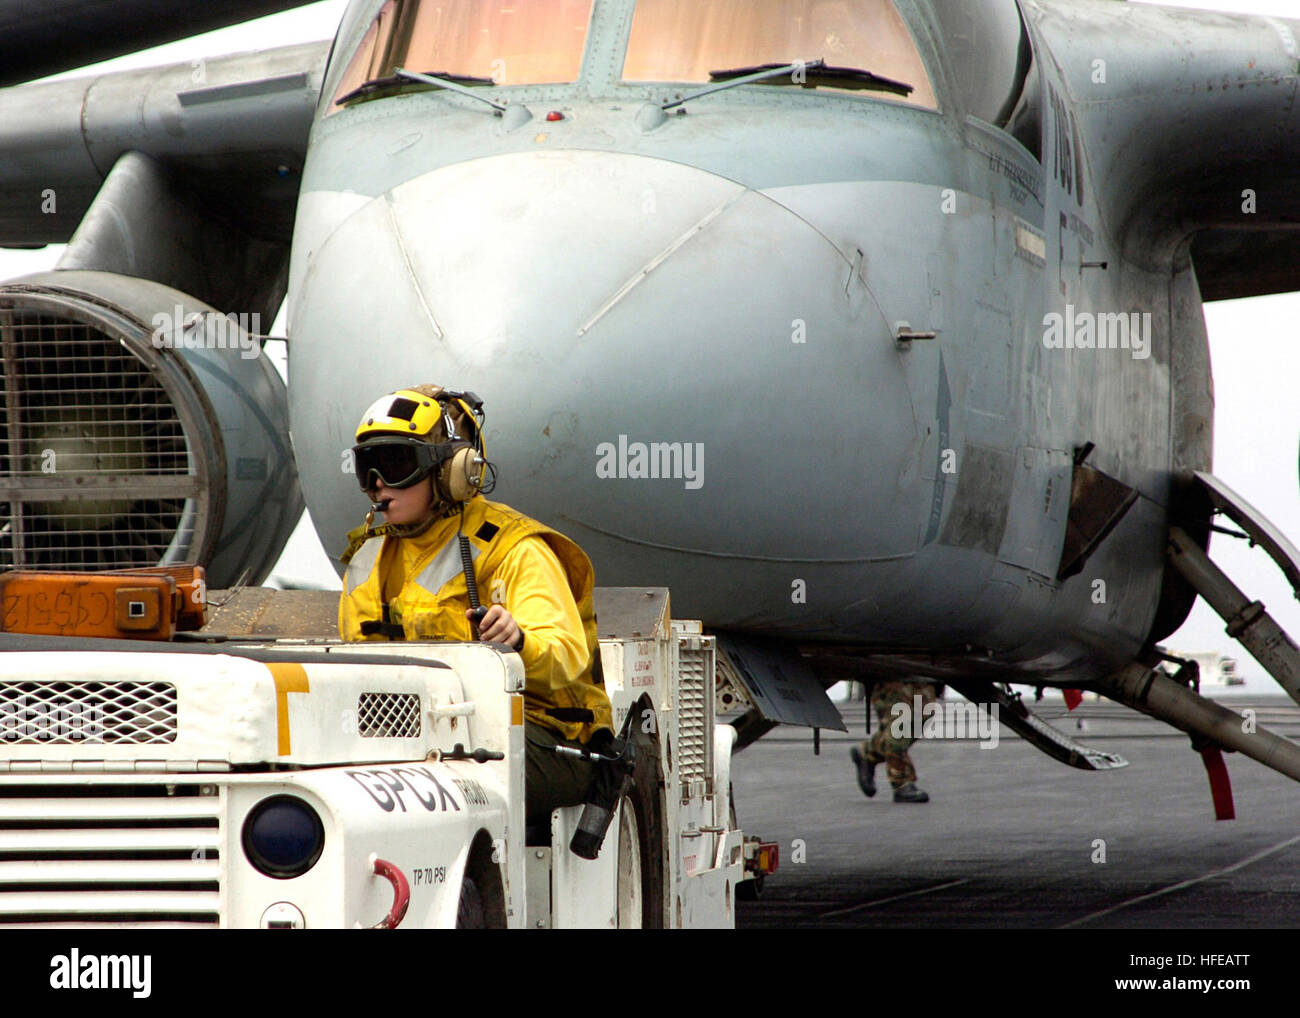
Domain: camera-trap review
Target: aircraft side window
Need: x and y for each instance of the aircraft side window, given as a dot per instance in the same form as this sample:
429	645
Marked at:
1026	121
685	40
991	62
524	42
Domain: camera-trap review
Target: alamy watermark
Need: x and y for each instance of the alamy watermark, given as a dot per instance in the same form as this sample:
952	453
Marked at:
1086	330
77	971
682	461
943	719
30	720
176	330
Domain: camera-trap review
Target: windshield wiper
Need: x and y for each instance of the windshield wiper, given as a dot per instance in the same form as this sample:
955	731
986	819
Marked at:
748	75
819	73
805	74
450	85
439	78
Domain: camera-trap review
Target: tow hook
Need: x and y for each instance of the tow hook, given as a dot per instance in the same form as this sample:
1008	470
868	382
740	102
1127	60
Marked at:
401	892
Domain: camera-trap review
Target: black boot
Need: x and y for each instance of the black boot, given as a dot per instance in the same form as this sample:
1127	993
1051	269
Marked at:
910	793
866	772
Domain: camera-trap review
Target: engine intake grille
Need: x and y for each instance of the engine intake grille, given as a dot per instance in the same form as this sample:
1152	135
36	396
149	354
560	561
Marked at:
388	715
55	713
695	678
106	854
95	469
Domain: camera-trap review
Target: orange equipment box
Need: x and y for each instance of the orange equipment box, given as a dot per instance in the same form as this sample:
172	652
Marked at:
191	584
111	605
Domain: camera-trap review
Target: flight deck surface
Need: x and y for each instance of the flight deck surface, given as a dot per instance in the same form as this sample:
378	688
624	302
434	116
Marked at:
1014	840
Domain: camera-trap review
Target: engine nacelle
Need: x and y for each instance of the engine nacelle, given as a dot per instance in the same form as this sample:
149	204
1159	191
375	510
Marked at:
140	427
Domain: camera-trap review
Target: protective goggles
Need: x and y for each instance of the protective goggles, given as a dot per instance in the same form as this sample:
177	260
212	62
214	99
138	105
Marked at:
397	462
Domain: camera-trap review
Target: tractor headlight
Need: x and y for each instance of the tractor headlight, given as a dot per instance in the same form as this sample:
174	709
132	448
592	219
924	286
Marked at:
283	837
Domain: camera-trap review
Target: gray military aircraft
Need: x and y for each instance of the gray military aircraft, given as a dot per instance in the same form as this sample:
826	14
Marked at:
871	329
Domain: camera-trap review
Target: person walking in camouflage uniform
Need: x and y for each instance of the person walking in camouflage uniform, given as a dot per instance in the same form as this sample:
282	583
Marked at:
885	746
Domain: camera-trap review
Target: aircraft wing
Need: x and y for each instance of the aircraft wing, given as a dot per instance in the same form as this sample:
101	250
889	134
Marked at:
1247	263
175	189
205	201
50	36
1192	134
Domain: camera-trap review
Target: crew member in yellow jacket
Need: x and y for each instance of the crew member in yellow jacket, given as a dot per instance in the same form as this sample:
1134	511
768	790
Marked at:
420	458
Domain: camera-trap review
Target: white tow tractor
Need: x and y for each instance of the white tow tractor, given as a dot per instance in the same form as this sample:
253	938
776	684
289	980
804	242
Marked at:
266	781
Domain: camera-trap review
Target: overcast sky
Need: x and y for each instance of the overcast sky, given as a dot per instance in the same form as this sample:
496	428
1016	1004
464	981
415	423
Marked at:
1253	346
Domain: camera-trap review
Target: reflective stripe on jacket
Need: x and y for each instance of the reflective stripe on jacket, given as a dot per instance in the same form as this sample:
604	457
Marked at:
541	577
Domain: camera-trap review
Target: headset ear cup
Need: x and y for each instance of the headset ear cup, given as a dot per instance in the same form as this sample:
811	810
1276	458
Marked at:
461	477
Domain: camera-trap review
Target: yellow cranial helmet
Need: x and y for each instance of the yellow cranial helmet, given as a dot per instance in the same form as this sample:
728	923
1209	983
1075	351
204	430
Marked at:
407	412
425	430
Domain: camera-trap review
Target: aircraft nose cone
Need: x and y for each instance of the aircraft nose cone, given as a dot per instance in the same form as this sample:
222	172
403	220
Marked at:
524	255
660	350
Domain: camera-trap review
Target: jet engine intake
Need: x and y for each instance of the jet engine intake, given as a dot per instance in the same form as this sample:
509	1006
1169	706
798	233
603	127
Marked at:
138	427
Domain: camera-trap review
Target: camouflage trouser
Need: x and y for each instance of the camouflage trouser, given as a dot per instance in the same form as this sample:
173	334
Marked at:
884	746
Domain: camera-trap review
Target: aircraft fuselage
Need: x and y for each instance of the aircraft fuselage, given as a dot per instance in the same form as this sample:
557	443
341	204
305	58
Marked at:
687	337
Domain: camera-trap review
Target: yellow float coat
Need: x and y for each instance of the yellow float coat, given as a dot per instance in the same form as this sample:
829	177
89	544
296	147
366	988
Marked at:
541	577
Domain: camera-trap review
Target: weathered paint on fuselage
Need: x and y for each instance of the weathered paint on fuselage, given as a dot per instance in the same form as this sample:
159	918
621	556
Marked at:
732	281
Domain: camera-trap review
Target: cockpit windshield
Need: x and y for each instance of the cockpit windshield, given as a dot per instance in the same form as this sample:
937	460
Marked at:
685	40
508	42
